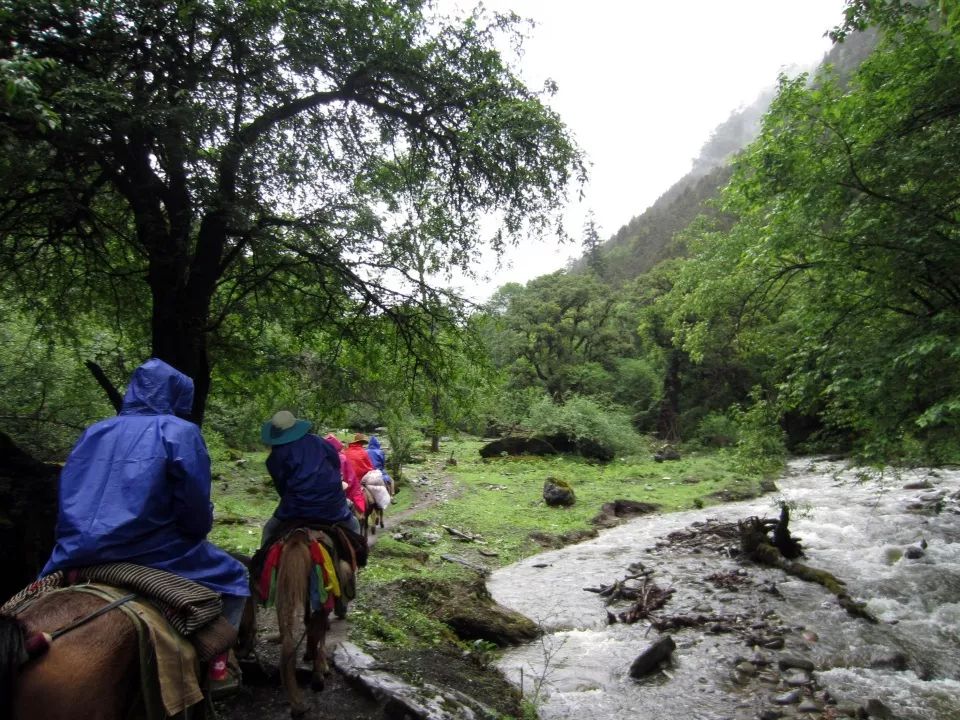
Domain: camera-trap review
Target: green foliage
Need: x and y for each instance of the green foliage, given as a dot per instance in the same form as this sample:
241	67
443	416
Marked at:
584	419
837	279
718	429
561	332
47	396
760	444
218	167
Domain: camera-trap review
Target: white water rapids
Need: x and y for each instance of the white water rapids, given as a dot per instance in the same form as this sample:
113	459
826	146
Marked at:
854	528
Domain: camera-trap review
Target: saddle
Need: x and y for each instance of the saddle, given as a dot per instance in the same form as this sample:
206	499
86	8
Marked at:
332	581
191	609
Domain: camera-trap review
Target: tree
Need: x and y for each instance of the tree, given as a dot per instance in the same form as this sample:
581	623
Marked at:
592	246
842	267
215	159
563	333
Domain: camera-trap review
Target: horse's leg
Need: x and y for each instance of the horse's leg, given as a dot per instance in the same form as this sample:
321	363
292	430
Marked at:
317	639
292	590
380	516
92	672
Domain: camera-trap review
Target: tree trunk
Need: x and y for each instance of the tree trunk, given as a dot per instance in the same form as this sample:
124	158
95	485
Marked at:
435	409
182	289
668	421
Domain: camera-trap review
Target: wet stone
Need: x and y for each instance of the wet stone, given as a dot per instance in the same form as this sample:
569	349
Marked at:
789	698
747	668
809	706
797	678
760	658
876	709
786	662
770	714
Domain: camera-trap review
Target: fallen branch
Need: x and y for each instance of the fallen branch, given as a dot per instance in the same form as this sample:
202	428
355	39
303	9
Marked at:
466	563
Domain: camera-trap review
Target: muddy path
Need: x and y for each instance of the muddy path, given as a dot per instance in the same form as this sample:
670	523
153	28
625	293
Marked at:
262	698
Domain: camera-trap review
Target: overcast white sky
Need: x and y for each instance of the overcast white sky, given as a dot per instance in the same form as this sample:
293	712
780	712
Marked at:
642	83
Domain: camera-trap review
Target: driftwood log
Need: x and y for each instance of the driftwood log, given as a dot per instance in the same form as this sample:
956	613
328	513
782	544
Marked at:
755	544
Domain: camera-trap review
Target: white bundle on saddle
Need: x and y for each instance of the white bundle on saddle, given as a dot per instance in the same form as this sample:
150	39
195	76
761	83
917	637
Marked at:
373	481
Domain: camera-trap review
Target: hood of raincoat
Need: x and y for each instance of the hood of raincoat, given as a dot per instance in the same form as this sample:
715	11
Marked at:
373	444
157	388
335	441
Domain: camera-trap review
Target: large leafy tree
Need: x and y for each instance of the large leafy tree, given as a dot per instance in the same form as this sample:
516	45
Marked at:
562	332
187	163
843	264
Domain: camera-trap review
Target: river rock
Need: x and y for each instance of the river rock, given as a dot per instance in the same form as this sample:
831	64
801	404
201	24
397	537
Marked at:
894	661
770	714
797	678
787	698
808	705
648	661
787	662
876	709
913	552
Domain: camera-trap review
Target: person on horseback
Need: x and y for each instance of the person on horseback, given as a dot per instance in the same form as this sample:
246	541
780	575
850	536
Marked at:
349	479
136	489
305	470
370	476
379	459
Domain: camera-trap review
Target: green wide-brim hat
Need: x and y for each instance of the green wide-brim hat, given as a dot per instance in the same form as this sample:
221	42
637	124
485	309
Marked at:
283	428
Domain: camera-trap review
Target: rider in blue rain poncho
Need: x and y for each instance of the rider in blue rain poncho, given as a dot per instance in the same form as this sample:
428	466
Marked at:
305	470
136	488
379	460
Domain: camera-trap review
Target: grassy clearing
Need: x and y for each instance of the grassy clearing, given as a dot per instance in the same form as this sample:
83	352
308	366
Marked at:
499	501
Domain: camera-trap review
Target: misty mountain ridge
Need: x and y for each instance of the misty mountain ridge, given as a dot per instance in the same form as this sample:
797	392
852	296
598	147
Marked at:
648	239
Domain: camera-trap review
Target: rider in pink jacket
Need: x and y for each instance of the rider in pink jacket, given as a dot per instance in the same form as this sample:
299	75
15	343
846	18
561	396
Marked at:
348	474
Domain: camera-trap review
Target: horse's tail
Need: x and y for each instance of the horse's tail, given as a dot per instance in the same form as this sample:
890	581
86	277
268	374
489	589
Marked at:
12	653
292	599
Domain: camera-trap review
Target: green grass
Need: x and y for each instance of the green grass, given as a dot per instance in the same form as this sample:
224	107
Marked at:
502	499
499	500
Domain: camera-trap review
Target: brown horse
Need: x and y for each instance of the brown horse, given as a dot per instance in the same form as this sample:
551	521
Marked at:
293	603
89	673
372	511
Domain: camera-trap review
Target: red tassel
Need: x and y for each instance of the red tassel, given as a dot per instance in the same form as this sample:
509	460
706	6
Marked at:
37	644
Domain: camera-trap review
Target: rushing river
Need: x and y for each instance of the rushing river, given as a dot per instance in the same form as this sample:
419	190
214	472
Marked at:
864	531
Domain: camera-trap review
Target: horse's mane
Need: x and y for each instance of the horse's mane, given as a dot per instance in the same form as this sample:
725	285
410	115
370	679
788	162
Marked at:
12	654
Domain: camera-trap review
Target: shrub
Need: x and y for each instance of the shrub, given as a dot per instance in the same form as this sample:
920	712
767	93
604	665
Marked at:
718	429
584	420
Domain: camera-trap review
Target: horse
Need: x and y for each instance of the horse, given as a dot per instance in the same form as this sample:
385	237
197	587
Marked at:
293	598
374	511
92	671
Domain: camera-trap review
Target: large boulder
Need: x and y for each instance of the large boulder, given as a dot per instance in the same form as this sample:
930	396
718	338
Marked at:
471	612
613	513
517	445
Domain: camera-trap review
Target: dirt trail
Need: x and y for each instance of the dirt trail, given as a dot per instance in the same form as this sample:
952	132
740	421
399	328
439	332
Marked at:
262	698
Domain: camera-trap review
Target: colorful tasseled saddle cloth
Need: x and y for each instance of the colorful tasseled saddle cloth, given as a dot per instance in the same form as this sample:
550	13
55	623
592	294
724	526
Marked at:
325	586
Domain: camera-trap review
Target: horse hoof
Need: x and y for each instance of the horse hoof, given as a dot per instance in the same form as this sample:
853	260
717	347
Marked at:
316	684
297	713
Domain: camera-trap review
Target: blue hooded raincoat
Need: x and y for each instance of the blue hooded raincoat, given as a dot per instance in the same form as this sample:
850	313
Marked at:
306	474
136	488
378	458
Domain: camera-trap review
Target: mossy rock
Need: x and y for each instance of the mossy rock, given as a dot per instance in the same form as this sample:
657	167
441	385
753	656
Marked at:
558	493
469	610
